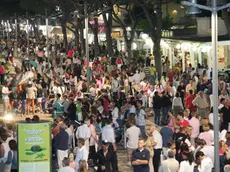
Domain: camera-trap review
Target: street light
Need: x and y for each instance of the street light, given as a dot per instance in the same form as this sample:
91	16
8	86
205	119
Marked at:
87	43
47	35
16	36
193	10
214	9
28	36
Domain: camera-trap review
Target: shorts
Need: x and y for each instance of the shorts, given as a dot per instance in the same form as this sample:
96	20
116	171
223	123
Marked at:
130	151
39	100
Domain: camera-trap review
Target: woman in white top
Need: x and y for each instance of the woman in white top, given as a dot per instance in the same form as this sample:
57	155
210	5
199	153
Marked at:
187	165
177	105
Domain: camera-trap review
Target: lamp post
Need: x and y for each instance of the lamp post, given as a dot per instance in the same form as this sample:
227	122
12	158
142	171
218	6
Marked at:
8	31
28	36
214	9
47	35
16	36
87	43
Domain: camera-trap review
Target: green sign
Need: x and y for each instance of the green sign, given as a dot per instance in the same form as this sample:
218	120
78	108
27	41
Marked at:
34	147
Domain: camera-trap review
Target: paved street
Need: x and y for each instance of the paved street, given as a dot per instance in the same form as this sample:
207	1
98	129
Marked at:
122	160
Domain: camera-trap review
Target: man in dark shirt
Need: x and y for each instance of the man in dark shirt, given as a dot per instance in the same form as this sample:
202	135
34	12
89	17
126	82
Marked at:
61	144
225	112
166	105
140	158
157	104
72	110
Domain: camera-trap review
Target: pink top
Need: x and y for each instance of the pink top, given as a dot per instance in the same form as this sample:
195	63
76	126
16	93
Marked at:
72	164
208	137
99	83
171	123
195	123
2	69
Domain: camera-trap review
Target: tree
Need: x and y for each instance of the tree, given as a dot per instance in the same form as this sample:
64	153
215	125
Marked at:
108	21
130	21
153	12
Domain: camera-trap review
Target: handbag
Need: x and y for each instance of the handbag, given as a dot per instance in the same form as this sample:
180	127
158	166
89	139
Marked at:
8	166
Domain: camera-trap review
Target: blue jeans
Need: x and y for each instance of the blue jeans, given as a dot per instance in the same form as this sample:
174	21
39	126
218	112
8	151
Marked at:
165	114
157	114
44	107
23	107
152	79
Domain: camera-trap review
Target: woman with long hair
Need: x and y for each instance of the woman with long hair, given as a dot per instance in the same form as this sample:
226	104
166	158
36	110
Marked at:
187	165
82	166
149	143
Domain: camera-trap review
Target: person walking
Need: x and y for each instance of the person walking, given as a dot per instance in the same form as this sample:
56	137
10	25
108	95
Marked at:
31	94
108	134
157	107
5	97
12	163
140	118
170	164
82	153
201	103
206	163
157	148
132	134
177	104
149	144
2	73
61	144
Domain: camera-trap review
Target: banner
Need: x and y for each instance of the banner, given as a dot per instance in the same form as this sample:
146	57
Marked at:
34	147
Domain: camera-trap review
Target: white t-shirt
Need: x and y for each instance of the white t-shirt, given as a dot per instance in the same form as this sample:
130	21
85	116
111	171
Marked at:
132	134
158	139
66	169
206	165
185	166
5	90
137	78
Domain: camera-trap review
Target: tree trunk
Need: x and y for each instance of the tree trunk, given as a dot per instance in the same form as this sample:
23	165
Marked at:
65	40
157	39
82	41
77	37
129	50
157	56
96	43
108	32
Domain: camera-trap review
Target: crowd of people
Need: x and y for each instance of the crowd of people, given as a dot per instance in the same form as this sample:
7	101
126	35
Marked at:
166	124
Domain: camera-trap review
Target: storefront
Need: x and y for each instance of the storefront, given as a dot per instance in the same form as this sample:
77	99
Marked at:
194	53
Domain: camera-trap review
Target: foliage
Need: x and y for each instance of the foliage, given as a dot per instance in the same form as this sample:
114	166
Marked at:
33	6
139	54
167	22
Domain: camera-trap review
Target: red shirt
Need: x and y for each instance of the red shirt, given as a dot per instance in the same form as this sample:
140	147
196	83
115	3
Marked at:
170	76
106	105
70	54
183	123
188	102
2	70
119	61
